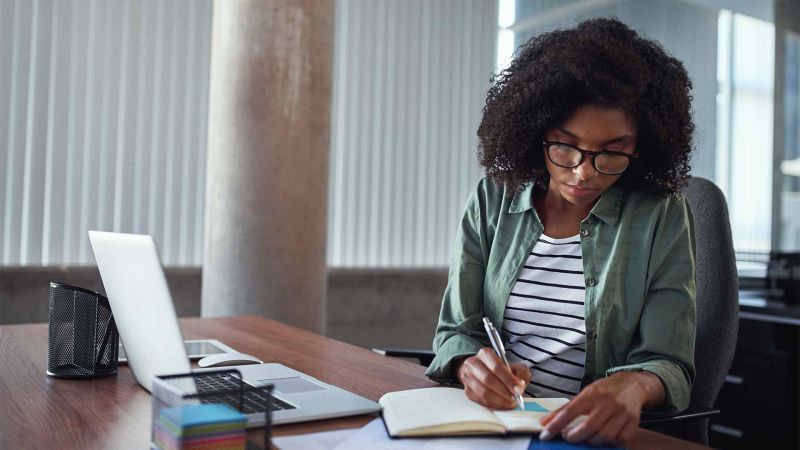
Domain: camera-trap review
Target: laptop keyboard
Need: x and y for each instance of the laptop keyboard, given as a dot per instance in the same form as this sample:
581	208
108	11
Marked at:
252	401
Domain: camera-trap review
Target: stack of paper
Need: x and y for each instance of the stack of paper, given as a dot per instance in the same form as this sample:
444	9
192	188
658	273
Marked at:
200	427
373	436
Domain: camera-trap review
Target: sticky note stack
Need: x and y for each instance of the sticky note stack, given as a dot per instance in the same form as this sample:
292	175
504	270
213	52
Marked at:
213	426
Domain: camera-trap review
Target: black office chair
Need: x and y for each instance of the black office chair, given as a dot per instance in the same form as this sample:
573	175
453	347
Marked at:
717	315
717	309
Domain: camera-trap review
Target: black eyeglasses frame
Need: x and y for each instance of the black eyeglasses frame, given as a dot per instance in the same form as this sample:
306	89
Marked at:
592	154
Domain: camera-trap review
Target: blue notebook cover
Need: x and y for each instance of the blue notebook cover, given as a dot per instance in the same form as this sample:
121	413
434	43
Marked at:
559	444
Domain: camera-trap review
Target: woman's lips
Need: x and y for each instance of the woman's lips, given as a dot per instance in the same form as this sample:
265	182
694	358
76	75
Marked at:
581	191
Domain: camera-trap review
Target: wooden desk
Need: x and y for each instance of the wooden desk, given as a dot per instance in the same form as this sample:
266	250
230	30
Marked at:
37	411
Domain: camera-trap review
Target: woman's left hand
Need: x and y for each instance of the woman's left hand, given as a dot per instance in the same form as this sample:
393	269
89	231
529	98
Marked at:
612	407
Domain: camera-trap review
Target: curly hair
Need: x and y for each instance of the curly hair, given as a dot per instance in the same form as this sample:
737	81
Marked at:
600	62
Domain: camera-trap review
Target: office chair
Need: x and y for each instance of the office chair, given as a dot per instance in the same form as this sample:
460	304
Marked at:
717	315
717	310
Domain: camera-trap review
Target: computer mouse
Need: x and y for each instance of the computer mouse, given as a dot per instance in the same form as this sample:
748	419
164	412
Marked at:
228	359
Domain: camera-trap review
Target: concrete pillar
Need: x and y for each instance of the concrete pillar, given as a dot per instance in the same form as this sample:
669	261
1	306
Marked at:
268	146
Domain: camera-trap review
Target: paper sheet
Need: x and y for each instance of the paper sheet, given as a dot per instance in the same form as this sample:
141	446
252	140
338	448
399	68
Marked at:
373	436
325	440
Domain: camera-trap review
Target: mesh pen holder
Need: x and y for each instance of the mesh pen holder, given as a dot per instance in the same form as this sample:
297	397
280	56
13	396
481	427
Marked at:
194	409
82	340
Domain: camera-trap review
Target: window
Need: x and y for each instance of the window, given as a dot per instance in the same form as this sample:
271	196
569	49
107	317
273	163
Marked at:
745	75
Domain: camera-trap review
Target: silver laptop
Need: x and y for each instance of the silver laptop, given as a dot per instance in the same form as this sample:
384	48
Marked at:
145	316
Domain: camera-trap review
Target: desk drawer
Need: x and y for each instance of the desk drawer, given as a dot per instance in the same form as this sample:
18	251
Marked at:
758	401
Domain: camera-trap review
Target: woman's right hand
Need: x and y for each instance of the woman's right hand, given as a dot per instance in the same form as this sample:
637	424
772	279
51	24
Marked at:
488	381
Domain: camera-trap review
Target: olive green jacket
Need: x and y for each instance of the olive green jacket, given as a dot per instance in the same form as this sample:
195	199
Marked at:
639	265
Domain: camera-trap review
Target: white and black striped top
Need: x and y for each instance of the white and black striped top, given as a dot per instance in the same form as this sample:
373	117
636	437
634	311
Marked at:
543	323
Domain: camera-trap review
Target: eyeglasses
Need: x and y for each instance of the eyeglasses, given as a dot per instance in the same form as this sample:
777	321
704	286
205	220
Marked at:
607	162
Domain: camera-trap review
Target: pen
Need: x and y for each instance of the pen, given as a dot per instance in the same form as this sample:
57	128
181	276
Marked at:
497	344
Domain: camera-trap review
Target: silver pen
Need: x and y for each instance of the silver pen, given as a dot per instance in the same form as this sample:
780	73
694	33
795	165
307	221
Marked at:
497	345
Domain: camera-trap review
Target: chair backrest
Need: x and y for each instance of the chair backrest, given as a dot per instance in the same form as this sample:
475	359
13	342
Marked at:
717	293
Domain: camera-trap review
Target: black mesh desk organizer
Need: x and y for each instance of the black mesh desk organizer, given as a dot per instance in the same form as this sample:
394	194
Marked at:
221	387
82	337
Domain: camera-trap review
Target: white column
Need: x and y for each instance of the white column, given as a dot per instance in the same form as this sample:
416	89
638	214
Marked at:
268	146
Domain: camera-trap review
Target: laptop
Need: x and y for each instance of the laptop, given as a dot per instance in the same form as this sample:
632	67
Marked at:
145	316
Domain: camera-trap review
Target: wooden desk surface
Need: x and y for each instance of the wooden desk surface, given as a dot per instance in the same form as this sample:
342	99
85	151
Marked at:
37	411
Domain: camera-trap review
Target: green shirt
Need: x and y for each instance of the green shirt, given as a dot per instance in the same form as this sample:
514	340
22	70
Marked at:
639	267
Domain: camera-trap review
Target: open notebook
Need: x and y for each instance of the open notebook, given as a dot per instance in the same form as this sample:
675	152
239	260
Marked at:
443	411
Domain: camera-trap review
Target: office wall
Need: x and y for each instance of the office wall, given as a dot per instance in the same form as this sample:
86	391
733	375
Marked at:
366	307
409	83
103	111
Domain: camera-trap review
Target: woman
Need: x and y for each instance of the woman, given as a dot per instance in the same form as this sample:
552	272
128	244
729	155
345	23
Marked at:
578	245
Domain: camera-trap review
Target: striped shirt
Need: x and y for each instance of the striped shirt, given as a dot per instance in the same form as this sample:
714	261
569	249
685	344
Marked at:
543	323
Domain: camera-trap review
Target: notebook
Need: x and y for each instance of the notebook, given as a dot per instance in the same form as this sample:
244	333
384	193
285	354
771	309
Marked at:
444	411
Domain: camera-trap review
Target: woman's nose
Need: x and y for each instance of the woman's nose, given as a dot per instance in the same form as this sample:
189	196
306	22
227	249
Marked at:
585	170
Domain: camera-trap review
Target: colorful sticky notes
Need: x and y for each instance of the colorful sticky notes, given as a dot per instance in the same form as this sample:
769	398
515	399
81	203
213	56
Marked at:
200	427
532	405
